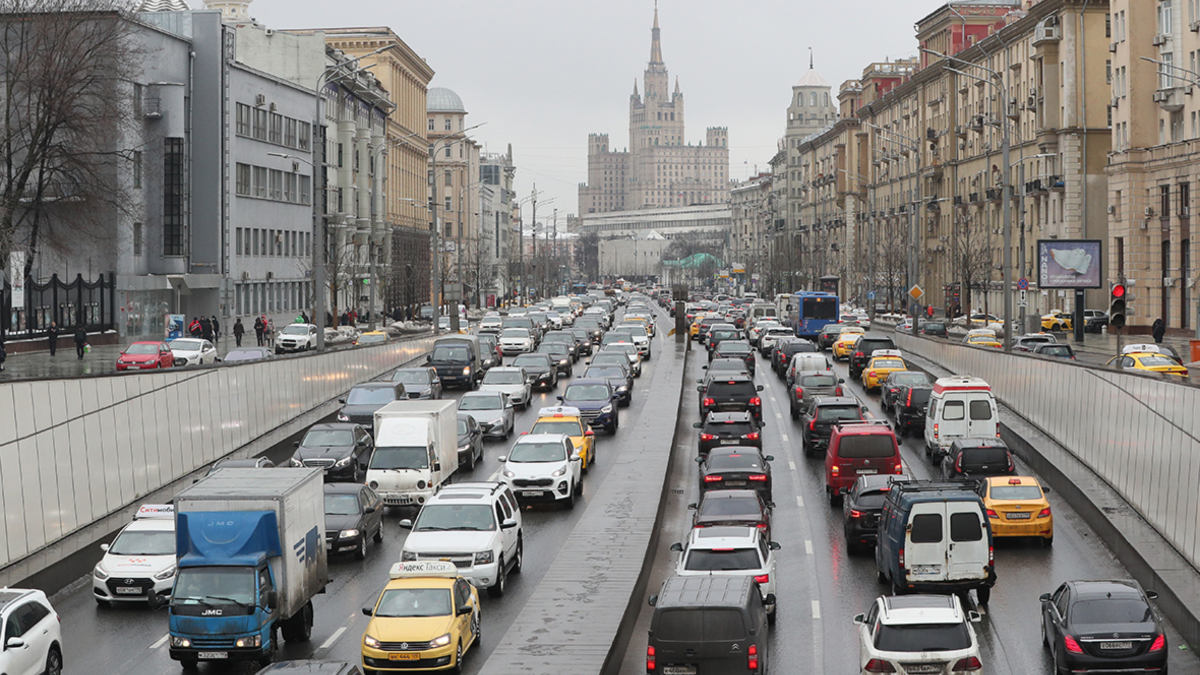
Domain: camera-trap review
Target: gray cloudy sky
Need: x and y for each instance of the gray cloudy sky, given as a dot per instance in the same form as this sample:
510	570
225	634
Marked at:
544	74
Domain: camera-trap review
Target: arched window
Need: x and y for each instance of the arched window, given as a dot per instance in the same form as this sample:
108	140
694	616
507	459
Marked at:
826	99
814	99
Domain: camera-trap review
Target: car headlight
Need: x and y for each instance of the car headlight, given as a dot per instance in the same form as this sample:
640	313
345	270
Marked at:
562	471
606	409
346	534
484	557
464	448
342	417
499	421
407	556
467	370
252	641
165	574
508	474
343	461
440	641
180	642
622	388
295	462
99	572
370	642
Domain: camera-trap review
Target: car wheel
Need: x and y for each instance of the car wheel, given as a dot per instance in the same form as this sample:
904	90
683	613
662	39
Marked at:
835	498
519	558
795	414
1045	642
571	497
360	553
54	663
1048	541
471	461
457	659
496	590
880	576
379	534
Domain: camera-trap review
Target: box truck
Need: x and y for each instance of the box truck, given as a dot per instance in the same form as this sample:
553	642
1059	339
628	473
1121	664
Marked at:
416	450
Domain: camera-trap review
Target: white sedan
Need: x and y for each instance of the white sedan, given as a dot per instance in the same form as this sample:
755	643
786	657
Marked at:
192	352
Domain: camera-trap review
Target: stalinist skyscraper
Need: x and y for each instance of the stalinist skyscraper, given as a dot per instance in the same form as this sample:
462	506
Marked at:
660	169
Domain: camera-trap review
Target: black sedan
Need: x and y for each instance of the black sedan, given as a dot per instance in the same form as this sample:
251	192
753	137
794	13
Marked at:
421	383
1093	626
342	449
470	441
743	467
891	386
728	428
738	508
829	335
360	404
933	328
353	512
542	371
735	349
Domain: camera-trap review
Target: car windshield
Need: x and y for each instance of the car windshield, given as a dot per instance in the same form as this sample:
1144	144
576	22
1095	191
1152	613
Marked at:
370	396
459	353
212	585
703	560
502	377
515	333
907	377
487	402
1016	492
1110	611
887	363
390	459
984	456
414	602
934	325
736	462
934	637
420	377
833	413
144	542
734	348
316	438
587	392
604	372
818	381
626	347
1055	350
341	504
537	452
149	348
870	500
296	329
186	345
569	428
470	517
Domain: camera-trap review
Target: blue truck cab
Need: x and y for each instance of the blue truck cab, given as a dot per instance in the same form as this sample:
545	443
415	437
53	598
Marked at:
250	548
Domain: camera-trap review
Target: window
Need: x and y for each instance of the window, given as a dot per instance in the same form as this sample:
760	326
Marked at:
1164	17
243	179
953	410
447	124
305	193
1166	78
173	196
137	99
449	179
254	239
341	156
238	249
260	124
965	527
926	528
303	137
289	133
276	184
431	124
981	410
276	133
137	239
260	181
447	152
243	119
1185	199
137	169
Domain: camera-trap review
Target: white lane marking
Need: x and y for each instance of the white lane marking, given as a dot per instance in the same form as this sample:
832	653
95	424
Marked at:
160	642
495	475
778	416
791	465
816	609
784	437
800	501
808	546
772	398
332	638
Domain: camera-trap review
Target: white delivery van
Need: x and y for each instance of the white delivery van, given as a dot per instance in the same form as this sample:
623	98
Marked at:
960	407
416	450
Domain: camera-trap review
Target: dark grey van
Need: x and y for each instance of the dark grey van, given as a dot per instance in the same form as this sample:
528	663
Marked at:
708	625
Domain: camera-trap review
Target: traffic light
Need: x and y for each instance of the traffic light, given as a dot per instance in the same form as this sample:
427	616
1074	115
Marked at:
1116	307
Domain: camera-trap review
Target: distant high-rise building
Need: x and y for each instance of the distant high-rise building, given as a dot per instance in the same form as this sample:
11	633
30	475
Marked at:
660	169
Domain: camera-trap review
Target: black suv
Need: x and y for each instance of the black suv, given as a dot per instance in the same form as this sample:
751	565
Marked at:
861	355
541	368
977	458
735	349
817	424
342	449
861	509
735	393
785	349
909	406
891	386
363	400
933	328
560	354
729	428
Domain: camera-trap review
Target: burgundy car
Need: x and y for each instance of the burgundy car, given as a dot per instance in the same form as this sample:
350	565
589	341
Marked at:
146	356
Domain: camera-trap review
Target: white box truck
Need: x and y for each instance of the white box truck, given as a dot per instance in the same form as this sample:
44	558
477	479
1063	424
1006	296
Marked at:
416	450
250	549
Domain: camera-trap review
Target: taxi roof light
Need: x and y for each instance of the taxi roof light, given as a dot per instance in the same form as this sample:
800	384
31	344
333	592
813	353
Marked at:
150	511
431	568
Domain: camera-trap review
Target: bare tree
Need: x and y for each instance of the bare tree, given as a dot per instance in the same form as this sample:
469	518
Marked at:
66	106
971	258
342	269
477	266
891	262
587	255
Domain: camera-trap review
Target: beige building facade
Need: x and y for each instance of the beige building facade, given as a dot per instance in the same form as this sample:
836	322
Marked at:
454	169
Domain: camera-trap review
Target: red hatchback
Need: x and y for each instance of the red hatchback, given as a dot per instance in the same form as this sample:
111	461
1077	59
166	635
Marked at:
859	448
146	356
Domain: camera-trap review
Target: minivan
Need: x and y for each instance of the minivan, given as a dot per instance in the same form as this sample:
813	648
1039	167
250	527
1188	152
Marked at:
959	407
859	448
935	538
708	625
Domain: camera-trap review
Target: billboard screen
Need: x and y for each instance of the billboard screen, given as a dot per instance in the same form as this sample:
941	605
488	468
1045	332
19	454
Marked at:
1069	263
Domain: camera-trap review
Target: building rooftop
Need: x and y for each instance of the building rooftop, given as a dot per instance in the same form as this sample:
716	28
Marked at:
812	79
163	6
440	99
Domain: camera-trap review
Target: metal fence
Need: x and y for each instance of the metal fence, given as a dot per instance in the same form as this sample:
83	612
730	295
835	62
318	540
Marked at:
91	304
1141	434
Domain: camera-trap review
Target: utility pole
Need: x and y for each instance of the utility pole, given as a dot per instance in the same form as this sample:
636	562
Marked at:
1021	246
1005	190
532	255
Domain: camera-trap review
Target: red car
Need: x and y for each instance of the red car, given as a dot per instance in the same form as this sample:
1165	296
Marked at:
859	448
146	356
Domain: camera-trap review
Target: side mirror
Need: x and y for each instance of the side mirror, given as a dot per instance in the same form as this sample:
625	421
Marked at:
693	506
864	408
429	358
1044	597
575	457
1045	490
703	368
437	466
502	458
653	600
369	510
700	389
841	381
759	388
369	611
697	425
775	546
342	401
1153	595
272	599
14	643
295	444
589	432
508	524
104	547
677	547
464	609
700	460
974	617
860	619
406	523
769	458
559	397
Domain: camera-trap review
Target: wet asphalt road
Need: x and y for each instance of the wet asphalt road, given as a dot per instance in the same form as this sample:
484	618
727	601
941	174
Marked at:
129	639
820	588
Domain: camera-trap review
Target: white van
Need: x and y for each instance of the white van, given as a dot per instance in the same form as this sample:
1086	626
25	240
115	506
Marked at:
960	407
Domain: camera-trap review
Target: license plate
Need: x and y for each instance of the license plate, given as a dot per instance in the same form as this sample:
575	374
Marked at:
735	483
729	441
867	472
679	670
926	569
213	655
923	667
403	657
128	590
1116	645
531	493
1018	516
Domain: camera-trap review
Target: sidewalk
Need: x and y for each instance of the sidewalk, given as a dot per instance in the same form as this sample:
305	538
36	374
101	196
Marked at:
100	361
1106	345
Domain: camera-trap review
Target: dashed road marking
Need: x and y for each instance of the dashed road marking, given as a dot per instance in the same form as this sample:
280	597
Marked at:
800	501
778	416
808	546
791	465
816	609
160	642
784	438
333	638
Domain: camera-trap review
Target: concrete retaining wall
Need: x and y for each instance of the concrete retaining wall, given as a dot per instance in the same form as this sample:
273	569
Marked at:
75	451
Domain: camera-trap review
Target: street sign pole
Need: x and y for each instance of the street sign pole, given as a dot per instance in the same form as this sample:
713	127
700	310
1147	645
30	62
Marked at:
1077	322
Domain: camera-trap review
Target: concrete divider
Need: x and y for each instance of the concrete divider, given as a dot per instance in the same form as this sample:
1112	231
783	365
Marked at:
74	452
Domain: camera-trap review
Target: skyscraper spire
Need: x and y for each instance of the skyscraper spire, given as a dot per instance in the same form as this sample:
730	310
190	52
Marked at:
655	46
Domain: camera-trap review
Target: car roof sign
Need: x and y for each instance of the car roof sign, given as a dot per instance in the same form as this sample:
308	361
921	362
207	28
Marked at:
154	511
431	568
559	411
886	352
1141	349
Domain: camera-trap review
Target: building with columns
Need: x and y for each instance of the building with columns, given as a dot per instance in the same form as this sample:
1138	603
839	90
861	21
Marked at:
660	169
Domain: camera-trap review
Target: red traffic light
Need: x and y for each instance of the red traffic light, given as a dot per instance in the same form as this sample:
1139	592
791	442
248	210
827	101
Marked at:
1118	291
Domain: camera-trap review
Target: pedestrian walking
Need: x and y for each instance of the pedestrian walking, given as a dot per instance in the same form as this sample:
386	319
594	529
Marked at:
216	328
259	327
1158	329
195	328
304	317
52	336
269	330
80	342
238	331
206	330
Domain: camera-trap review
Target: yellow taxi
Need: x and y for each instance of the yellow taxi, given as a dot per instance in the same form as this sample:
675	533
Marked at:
883	362
1056	320
1016	506
426	618
845	342
643	320
694	329
1147	357
982	337
569	421
374	337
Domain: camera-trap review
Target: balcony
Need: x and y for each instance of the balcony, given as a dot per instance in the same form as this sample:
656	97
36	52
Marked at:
1055	183
993	194
974	197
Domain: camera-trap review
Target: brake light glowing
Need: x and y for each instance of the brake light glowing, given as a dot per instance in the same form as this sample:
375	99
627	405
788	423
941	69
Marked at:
651	662
758	477
1160	643
752	436
878	666
935	430
870	373
752	655
799	392
858	354
908	401
709	401
838	391
835	470
1044	513
713	479
991	513
812	426
899	469
966	665
855	513
756	401
1071	645
707	437
763	578
761	526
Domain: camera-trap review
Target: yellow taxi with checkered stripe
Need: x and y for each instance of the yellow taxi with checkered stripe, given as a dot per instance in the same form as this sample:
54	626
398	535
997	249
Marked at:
426	618
845	342
1016	506
1147	357
982	337
883	362
569	421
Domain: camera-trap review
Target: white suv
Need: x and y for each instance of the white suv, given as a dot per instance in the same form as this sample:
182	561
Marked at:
899	634
296	337
544	467
730	551
140	563
31	634
475	525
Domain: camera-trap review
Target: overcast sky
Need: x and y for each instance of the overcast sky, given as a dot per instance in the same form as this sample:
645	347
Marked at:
543	74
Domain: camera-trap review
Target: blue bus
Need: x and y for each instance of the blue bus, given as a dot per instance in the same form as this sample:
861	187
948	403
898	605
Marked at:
810	311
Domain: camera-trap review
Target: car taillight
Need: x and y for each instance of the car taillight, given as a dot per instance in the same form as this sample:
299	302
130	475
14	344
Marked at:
878	666
838	391
752	436
763	578
1071	645
713	479
901	559
935	430
709	401
761	526
898	469
835	470
998	436
1044	513
1159	644
870	373
966	665
858	354
758	477
908	401
991	555
799	392
812	426
854	513
991	513
707	437
958	463
651	662
756	401
752	655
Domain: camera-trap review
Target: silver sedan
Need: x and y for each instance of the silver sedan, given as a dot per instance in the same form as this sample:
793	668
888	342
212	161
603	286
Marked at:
492	410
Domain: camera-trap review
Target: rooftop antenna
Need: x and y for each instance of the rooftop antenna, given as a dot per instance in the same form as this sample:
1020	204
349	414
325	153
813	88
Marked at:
810	54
